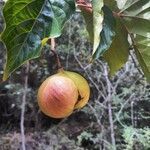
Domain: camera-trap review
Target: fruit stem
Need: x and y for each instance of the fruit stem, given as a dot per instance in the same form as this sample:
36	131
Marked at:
53	50
57	59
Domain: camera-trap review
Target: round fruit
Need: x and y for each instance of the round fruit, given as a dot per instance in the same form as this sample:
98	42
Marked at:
63	92
57	96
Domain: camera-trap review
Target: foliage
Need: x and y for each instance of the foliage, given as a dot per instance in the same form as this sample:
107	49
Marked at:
84	136
89	128
30	24
138	13
138	136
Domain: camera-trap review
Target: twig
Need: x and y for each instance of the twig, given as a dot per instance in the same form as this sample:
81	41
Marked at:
132	113
122	107
113	141
95	114
23	106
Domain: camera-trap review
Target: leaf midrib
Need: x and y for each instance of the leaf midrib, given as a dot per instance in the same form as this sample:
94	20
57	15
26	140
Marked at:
135	17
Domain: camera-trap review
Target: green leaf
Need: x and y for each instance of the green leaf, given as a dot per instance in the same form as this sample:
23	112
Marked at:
28	22
107	33
143	54
136	17
118	53
97	22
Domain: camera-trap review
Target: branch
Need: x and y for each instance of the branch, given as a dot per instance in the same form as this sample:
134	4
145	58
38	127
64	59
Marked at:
23	106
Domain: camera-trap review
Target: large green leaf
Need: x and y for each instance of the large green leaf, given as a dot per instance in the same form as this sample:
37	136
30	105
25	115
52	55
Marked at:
136	17
97	22
28	22
107	33
118	53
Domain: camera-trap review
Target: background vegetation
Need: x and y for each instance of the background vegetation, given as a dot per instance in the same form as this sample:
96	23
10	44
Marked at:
116	117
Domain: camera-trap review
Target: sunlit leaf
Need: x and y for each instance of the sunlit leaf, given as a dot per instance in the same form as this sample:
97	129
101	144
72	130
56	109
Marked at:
97	22
136	17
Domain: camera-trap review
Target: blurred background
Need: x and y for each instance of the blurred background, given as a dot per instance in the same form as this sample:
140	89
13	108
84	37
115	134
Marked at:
117	115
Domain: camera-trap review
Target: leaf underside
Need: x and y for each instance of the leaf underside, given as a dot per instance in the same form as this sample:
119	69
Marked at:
117	55
107	34
137	21
143	54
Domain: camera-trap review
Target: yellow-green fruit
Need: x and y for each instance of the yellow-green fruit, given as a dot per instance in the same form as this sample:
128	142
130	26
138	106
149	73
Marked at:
82	86
63	92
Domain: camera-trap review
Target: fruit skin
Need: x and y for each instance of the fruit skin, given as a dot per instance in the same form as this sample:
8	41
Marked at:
82	86
57	96
63	92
